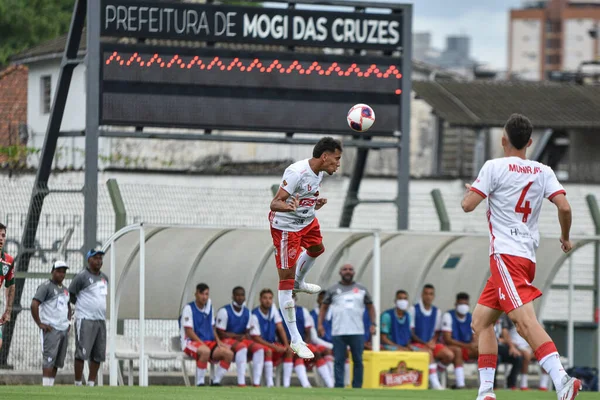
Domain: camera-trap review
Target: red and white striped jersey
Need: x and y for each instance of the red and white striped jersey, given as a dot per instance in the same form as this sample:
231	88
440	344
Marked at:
515	189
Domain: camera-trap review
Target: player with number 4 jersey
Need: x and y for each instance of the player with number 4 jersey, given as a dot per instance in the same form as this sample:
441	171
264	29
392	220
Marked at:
294	227
515	188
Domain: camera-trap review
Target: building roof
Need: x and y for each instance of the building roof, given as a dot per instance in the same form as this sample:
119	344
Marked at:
490	103
13	103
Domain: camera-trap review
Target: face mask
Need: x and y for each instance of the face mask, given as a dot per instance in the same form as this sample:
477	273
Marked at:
239	305
462	309
402	304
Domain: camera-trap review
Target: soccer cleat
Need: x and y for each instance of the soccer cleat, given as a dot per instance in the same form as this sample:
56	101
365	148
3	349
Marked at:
487	396
570	389
303	287
302	350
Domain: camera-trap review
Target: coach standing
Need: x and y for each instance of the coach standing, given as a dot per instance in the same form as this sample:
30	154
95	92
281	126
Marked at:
88	292
51	311
347	300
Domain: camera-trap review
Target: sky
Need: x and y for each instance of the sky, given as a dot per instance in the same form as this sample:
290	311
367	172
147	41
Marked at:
485	21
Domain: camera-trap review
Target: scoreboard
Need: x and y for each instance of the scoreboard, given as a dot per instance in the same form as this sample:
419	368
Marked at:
223	82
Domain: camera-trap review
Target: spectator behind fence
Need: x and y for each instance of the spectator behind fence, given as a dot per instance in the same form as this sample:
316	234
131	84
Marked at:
507	351
347	300
88	292
458	336
51	312
198	338
426	320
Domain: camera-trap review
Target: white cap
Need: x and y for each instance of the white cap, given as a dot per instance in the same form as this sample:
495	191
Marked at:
59	264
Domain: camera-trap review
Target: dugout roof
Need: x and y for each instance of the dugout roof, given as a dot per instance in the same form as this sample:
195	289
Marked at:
481	104
177	258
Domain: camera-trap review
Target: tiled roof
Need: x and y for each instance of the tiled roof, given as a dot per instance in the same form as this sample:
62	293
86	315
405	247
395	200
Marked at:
490	103
13	103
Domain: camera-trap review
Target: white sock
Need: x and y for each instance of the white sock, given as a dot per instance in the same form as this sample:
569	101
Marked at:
524	383
78	383
303	265
552	365
90	383
241	357
330	364
219	374
51	381
258	362
45	381
301	372
200	374
326	375
347	373
459	373
434	380
288	367
486	379
288	309
544	380
269	373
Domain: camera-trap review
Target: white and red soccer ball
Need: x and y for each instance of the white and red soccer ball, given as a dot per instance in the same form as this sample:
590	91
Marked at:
361	117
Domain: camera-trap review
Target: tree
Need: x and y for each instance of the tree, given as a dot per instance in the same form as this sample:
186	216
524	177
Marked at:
24	24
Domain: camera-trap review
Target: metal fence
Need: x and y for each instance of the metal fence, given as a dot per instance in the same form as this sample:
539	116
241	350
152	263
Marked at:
216	202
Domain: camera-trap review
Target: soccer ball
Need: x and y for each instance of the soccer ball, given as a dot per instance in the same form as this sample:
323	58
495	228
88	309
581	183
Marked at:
361	117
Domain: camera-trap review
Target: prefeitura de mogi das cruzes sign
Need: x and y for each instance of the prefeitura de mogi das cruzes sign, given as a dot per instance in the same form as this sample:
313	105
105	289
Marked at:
251	25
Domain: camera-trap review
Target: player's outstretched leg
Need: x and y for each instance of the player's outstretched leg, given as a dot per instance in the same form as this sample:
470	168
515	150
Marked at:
303	265
484	319
545	351
288	310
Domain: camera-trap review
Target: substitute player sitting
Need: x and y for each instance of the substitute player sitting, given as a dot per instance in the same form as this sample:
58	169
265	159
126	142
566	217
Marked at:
294	226
233	327
267	330
426	324
515	189
458	336
198	339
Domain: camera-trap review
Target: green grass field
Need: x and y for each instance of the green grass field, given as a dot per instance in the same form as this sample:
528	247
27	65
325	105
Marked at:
226	393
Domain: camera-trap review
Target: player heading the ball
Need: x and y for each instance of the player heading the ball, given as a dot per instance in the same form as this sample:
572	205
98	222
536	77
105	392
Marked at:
294	227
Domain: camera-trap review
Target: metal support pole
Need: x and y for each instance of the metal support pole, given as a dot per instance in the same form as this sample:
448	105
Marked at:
440	208
376	339
404	150
570	324
351	200
595	213
112	339
92	120
143	375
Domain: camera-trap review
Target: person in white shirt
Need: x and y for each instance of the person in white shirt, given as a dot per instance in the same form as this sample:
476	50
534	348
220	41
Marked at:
51	312
515	189
294	226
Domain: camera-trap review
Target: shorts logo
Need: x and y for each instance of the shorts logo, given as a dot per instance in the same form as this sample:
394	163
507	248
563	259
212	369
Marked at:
501	295
49	359
292	253
83	351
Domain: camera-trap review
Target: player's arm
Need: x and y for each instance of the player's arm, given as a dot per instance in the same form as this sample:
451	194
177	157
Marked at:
415	338
10	295
471	199
280	203
35	313
189	333
223	334
451	342
322	314
281	334
564	219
